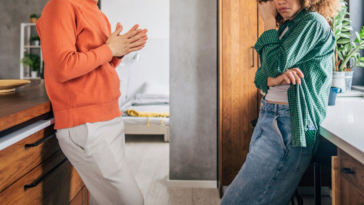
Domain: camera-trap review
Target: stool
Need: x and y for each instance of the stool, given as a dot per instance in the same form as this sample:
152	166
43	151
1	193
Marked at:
322	157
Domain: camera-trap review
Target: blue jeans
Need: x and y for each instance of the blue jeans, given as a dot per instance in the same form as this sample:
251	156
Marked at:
273	168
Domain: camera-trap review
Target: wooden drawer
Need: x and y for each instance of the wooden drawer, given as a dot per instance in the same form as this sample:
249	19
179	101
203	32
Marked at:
54	182
352	170
25	155
82	198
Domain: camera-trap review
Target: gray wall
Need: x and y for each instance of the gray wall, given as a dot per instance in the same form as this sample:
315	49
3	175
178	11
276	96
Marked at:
193	93
12	13
356	8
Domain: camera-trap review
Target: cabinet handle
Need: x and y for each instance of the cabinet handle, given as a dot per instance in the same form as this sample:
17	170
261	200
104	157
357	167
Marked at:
41	141
45	176
253	56
347	171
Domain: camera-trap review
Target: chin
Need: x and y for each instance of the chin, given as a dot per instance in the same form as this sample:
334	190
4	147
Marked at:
286	16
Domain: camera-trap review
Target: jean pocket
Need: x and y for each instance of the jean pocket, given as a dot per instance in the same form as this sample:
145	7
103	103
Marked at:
256	135
279	133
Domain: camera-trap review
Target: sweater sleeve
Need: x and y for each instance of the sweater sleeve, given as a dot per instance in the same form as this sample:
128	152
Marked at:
57	30
116	61
261	79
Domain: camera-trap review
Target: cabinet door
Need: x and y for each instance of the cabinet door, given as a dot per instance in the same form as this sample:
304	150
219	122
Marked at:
349	193
54	181
82	198
238	32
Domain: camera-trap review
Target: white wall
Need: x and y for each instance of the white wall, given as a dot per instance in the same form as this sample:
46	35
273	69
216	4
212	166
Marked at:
153	65
150	14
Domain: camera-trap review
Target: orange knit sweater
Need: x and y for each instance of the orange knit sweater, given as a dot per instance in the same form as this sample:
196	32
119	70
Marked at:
79	72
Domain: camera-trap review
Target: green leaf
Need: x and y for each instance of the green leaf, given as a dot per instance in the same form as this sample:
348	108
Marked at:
343	41
362	33
338	32
345	35
346	28
340	55
342	48
346	23
358	36
347	47
360	64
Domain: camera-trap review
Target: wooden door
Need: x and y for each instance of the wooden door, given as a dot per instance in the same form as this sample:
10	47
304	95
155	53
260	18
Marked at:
238	99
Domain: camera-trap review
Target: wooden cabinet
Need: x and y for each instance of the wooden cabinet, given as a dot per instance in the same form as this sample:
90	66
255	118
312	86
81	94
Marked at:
82	198
239	28
348	181
33	169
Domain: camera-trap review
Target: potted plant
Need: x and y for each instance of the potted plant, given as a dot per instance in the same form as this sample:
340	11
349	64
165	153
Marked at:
33	18
33	61
34	40
347	54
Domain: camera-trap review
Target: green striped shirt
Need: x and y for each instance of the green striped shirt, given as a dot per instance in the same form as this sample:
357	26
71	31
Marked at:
308	45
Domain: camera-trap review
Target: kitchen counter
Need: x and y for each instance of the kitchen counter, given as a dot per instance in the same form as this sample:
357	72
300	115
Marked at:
33	168
26	103
344	126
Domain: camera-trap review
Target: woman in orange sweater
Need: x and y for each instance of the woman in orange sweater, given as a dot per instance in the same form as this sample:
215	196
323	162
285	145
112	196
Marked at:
80	56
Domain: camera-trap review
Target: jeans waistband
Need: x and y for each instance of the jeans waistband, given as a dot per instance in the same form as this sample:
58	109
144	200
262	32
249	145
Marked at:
274	108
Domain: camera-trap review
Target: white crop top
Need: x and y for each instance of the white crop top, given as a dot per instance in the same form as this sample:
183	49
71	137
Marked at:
278	94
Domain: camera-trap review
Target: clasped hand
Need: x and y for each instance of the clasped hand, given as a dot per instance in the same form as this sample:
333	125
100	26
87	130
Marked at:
134	40
290	76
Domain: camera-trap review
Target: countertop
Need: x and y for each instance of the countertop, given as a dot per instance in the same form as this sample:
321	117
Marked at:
344	126
26	103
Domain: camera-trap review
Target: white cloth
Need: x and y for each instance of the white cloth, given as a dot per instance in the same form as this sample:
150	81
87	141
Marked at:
97	151
278	94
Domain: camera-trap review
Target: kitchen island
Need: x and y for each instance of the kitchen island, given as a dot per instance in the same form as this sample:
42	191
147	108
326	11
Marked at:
33	169
344	127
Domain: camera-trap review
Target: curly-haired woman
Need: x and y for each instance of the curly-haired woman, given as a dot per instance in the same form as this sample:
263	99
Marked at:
295	74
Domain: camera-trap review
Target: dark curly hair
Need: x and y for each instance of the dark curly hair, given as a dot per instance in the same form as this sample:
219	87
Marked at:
327	8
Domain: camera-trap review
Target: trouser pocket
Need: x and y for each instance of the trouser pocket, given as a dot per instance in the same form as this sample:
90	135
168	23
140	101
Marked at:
79	136
72	151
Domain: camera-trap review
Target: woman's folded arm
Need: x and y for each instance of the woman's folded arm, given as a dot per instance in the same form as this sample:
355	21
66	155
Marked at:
278	56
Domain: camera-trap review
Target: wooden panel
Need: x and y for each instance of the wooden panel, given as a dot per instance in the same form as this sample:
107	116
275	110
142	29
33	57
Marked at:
59	187
350	195
82	198
335	181
357	179
220	107
238	94
17	160
26	103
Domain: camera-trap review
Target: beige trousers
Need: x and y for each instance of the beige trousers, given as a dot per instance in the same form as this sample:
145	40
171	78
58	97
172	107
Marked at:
97	151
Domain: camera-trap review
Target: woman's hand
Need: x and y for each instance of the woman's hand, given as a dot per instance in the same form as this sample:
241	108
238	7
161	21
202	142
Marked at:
268	12
293	76
133	40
